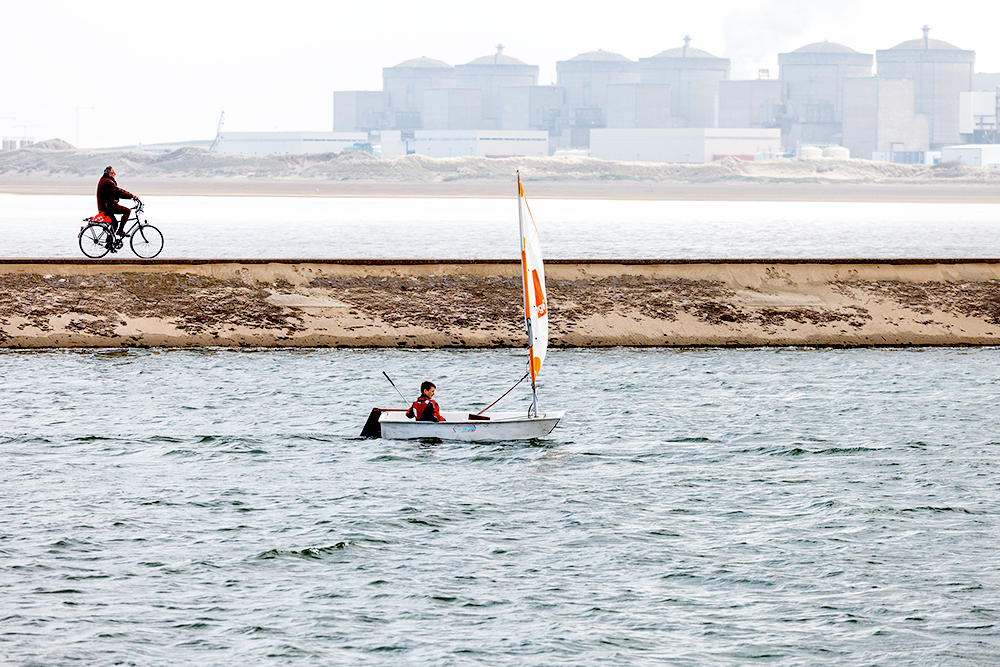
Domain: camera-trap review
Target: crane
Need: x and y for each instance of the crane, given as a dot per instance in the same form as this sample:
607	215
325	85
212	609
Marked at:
218	133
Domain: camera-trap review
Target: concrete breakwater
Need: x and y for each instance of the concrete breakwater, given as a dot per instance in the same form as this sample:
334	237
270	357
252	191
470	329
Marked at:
476	303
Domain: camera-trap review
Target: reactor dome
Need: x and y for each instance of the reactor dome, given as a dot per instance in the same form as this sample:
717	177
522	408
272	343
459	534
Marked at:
918	45
423	61
601	55
684	52
496	59
824	47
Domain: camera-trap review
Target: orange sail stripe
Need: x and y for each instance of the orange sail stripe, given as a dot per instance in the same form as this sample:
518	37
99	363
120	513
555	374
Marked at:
539	294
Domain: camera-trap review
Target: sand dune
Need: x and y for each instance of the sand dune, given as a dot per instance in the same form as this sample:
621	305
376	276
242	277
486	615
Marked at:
55	167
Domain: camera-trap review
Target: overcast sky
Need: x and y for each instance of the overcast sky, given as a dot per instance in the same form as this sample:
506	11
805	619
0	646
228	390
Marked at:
113	73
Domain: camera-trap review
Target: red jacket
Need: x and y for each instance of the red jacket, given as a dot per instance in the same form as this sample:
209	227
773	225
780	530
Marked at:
108	194
425	410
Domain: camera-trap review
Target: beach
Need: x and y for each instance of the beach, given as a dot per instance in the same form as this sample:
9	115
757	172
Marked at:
476	303
55	167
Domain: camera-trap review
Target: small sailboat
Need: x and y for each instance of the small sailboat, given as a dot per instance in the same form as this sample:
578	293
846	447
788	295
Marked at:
487	425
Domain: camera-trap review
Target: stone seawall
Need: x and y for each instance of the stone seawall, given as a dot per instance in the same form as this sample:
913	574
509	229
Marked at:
476	303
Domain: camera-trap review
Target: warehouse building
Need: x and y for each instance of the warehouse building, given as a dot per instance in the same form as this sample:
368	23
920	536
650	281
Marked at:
686	145
287	143
973	155
477	143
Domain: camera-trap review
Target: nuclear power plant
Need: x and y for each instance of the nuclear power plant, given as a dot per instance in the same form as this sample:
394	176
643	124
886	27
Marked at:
904	104
917	102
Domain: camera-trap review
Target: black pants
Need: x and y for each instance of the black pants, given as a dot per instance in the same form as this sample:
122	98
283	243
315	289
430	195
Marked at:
115	209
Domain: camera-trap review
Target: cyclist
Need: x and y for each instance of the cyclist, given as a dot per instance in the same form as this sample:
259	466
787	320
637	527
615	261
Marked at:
108	194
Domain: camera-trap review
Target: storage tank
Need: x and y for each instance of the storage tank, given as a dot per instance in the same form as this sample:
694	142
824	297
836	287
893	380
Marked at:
694	77
836	151
586	78
940	71
491	74
809	151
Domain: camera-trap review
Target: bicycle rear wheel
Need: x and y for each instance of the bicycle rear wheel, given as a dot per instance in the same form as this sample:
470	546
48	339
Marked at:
147	241
94	240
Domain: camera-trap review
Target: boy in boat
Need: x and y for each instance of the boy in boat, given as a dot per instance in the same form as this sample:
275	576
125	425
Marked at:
425	408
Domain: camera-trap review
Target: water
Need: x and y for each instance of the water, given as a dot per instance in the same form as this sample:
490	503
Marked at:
276	227
709	506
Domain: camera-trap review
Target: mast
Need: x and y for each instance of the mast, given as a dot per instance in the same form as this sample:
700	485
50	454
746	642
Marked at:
527	298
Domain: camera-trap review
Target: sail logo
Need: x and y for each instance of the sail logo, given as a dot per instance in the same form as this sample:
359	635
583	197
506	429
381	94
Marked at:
540	308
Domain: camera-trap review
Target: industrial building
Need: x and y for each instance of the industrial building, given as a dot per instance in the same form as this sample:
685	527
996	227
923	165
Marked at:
638	105
973	155
360	111
532	108
460	143
685	145
287	143
585	79
940	72
905	102
404	86
13	143
755	103
694	76
814	97
490	75
880	116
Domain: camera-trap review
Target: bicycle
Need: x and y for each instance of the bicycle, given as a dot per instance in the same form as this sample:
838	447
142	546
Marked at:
98	238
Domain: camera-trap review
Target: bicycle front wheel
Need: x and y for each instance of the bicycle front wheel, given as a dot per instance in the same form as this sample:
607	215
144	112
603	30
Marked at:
147	241
94	241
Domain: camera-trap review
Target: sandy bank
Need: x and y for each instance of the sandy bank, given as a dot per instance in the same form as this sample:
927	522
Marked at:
54	168
442	303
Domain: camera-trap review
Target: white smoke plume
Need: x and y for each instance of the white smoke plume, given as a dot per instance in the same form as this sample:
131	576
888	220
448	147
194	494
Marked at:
757	32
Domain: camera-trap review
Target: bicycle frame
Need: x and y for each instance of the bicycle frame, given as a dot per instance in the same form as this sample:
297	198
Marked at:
149	238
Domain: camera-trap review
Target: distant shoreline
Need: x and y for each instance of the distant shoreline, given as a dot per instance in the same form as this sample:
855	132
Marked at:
492	188
53	167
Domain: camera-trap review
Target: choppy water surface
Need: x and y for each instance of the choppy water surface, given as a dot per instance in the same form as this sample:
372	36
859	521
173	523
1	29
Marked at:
291	227
773	506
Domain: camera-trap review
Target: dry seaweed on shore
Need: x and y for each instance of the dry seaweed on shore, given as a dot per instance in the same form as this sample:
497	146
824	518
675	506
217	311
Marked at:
438	302
657	298
488	302
973	298
192	303
494	302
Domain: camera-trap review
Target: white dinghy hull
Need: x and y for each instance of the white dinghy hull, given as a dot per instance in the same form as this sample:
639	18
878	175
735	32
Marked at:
458	426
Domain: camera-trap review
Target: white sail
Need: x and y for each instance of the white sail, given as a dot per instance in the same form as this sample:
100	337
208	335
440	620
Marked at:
536	317
485	425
